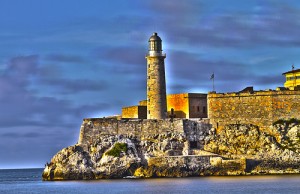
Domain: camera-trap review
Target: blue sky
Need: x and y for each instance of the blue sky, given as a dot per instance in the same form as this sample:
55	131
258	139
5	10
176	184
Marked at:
62	61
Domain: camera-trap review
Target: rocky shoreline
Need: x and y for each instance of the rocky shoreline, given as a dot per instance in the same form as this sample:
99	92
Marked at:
235	150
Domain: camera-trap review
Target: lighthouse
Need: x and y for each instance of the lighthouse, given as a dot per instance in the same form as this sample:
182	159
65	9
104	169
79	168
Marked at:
156	81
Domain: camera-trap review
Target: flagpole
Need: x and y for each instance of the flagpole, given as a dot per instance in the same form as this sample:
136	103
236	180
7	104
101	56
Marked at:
214	83
212	77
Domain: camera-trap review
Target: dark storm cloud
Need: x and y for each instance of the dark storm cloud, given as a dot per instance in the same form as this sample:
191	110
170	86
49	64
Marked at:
91	108
65	58
21	67
126	55
270	79
129	60
68	86
177	7
48	123
189	71
265	24
192	67
38	95
21	135
22	108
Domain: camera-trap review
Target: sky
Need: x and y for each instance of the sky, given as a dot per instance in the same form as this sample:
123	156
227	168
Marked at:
65	60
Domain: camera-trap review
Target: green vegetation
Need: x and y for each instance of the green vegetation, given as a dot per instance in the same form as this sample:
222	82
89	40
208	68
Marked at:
282	121
117	149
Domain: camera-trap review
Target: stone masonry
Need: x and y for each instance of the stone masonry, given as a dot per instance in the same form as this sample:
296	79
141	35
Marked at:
156	82
260	108
93	129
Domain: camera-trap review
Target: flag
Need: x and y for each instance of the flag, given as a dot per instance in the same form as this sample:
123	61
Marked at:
212	76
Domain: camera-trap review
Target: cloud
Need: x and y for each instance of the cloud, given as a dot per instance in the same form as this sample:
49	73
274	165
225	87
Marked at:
190	72
20	135
121	60
68	86
126	55
24	108
203	24
47	100
277	80
65	58
191	66
47	122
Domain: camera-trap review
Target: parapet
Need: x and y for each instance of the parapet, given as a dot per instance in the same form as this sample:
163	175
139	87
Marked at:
254	93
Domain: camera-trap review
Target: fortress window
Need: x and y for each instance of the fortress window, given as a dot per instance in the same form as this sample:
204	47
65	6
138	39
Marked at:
193	144
148	111
204	109
292	78
149	89
198	108
148	65
148	77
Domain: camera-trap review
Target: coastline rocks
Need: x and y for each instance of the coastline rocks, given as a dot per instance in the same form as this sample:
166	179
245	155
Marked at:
274	152
100	161
238	149
69	164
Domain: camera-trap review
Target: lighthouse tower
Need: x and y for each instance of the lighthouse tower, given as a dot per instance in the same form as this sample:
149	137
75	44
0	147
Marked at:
156	81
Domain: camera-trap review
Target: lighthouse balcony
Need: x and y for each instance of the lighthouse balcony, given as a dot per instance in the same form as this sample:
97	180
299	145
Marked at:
155	54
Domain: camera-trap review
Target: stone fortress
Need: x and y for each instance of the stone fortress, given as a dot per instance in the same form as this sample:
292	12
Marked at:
197	113
188	134
260	108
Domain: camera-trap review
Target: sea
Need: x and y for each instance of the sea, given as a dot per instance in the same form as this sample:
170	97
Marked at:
30	181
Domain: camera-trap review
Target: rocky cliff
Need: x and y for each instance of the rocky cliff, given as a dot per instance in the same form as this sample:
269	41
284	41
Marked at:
196	150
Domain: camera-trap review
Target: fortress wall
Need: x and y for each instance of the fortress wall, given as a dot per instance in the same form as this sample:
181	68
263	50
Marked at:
197	105
134	112
130	112
259	108
180	104
93	128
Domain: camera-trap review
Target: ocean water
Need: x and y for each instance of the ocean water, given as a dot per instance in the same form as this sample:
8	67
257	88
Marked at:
29	181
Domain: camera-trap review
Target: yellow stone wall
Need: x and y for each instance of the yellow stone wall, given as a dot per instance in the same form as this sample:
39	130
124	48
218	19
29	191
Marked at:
130	112
260	108
180	104
187	105
143	103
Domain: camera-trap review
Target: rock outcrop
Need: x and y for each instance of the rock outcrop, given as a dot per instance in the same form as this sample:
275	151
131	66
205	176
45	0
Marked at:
276	150
196	151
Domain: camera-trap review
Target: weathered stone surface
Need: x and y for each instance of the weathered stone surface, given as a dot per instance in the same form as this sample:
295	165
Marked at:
260	108
274	152
156	87
166	150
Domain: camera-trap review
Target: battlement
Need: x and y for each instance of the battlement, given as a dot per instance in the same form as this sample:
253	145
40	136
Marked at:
253	93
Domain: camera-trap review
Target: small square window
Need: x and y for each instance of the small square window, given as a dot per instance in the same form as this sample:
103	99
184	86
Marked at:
193	144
